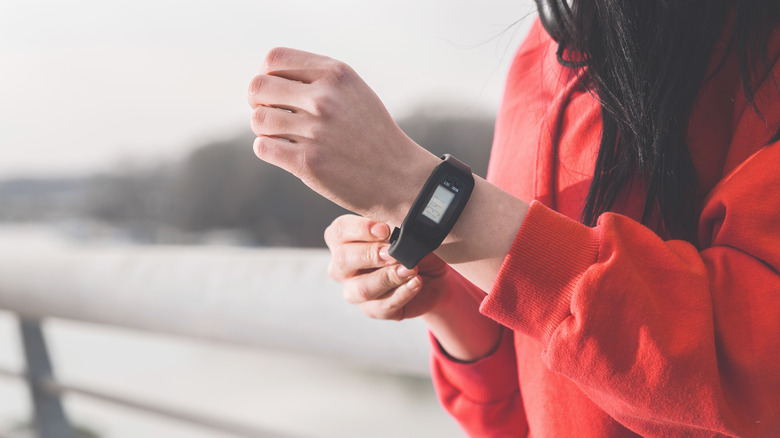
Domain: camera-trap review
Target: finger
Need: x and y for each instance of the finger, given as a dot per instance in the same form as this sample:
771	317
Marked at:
295	64
352	228
352	259
392	307
281	153
303	66
278	92
377	284
276	122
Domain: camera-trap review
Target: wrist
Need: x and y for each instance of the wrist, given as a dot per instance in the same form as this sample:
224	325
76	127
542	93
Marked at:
458	294
434	212
455	321
412	173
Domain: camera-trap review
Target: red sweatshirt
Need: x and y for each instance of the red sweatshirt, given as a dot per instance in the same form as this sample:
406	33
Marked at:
612	331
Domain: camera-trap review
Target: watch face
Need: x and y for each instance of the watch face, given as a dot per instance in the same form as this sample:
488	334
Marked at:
438	204
433	214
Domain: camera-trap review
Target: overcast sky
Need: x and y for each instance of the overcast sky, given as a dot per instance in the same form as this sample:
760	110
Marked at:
92	84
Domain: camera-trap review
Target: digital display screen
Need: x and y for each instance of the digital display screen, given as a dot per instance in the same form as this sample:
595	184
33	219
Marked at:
437	206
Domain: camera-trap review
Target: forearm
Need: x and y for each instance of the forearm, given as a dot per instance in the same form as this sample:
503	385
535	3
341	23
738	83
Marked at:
479	242
461	330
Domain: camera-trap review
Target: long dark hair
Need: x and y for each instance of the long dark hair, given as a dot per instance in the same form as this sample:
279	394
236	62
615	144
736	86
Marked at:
645	61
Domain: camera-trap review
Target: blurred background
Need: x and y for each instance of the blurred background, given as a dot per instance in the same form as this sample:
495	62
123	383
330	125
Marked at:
124	127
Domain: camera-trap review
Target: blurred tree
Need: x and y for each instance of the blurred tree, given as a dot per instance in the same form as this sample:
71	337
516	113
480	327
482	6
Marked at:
132	194
35	199
223	186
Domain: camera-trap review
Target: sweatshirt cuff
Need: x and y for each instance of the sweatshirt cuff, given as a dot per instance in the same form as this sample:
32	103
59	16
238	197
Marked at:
490	379
532	293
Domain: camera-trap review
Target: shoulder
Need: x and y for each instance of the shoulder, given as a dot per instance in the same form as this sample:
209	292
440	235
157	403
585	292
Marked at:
535	54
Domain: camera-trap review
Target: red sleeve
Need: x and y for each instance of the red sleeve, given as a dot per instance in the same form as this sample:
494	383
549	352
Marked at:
667	339
483	395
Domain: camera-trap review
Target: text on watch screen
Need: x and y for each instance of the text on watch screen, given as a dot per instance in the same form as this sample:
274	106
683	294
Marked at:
437	206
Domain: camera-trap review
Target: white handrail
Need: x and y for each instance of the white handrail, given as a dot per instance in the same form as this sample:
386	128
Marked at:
268	298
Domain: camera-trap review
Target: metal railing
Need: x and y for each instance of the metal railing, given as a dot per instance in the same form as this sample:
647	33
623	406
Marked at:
278	299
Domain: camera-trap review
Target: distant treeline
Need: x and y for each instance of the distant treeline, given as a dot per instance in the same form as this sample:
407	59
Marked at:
221	186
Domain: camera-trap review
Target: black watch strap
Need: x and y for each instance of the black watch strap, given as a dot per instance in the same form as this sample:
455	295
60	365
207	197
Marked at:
433	213
407	249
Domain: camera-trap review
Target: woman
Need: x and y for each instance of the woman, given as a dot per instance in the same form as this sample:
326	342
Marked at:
639	291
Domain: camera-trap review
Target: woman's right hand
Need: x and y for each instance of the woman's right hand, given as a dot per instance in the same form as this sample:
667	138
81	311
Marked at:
374	281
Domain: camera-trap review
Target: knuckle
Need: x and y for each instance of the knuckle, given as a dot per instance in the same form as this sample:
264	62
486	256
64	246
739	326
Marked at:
313	160
368	311
338	258
261	147
315	131
387	308
321	103
366	224
349	296
330	235
338	71
372	312
258	119
356	293
274	56
335	231
391	277
257	84
343	229
333	272
371	255
363	292
302	165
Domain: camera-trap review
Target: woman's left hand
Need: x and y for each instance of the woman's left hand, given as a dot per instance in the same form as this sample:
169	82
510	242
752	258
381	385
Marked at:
317	119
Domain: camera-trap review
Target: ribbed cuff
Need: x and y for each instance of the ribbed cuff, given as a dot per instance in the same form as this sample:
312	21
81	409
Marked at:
488	380
533	290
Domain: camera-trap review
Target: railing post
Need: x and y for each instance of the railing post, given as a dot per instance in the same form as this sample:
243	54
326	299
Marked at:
50	418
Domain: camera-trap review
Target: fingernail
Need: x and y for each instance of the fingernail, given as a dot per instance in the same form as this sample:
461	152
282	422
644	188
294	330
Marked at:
404	272
380	231
384	254
414	283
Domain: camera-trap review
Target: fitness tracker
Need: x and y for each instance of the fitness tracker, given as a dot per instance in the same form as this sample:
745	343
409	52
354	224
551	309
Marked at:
434	212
